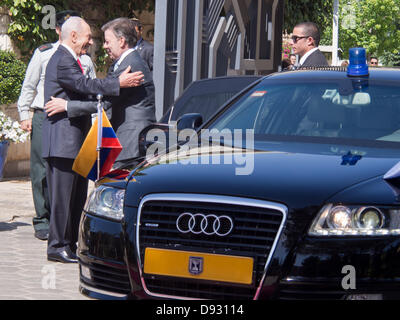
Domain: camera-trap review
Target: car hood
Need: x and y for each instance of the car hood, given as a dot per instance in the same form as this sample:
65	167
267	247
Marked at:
293	179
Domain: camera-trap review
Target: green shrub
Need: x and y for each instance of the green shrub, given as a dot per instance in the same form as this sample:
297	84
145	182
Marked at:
12	73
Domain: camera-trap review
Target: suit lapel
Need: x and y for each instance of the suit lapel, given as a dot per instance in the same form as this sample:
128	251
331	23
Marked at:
141	45
63	49
111	69
124	64
68	54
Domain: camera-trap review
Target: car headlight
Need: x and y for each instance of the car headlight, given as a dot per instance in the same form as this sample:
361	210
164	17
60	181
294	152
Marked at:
106	201
334	220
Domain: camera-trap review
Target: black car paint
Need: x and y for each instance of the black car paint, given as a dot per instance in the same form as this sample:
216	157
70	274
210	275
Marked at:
270	167
302	266
315	263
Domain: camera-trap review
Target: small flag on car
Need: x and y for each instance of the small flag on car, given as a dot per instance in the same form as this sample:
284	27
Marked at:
85	163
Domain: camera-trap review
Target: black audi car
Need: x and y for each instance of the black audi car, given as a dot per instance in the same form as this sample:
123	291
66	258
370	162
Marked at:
290	191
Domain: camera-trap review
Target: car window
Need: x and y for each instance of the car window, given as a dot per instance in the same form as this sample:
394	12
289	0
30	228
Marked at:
327	110
245	118
205	104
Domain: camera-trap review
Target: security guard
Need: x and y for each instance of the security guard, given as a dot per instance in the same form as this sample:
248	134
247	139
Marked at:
32	99
144	48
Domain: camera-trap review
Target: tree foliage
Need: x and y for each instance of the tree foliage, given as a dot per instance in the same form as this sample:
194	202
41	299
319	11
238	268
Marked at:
26	26
317	11
26	29
390	59
371	24
12	73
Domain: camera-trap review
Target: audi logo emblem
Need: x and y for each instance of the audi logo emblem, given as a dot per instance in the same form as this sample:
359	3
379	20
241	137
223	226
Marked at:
204	224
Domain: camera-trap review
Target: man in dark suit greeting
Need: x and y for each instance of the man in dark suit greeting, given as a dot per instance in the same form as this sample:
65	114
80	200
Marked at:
305	42
134	109
63	137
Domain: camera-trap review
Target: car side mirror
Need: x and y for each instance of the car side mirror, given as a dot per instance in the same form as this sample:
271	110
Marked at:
144	143
189	121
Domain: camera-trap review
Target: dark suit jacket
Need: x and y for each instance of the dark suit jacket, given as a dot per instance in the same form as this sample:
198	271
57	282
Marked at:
315	59
63	137
146	51
130	112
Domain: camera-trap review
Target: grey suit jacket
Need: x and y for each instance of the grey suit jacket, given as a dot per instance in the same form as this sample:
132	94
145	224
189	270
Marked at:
63	137
315	59
130	112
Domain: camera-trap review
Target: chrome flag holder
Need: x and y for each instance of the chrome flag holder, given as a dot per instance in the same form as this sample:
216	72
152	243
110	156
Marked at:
99	131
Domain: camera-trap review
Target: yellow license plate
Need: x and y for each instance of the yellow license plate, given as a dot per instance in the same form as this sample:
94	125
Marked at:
197	265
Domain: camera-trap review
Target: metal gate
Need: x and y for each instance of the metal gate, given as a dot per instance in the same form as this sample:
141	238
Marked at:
197	39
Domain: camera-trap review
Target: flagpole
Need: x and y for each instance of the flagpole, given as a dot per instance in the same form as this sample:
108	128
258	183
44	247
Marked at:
99	132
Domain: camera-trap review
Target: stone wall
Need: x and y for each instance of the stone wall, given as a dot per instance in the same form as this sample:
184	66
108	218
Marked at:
147	20
96	17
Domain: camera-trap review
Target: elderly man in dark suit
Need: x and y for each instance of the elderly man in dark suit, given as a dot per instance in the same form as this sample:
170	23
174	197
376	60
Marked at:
63	137
305	41
134	109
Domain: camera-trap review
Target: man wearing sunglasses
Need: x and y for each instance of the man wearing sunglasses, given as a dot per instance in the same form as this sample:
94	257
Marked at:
305	40
373	62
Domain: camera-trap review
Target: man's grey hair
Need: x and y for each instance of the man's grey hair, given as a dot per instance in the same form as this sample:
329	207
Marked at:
123	28
72	24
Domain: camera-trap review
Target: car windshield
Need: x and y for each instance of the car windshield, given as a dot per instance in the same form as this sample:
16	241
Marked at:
346	111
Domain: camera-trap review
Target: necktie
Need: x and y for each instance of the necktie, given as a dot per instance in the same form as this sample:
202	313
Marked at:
116	66
80	65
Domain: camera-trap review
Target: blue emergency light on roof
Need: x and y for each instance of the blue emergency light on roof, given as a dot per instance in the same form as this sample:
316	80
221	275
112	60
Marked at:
357	63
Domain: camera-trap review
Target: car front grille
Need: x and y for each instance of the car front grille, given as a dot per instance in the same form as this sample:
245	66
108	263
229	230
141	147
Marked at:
107	278
310	290
257	226
306	288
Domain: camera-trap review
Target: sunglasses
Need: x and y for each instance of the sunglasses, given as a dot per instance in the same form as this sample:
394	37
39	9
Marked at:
374	63
297	38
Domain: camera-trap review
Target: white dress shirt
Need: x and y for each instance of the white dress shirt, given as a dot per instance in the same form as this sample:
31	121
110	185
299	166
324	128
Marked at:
70	50
122	57
304	58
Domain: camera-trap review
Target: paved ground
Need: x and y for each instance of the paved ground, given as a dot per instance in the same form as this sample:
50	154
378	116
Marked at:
25	272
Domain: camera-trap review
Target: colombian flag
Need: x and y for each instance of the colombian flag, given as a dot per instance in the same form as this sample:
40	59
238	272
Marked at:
119	174
85	163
